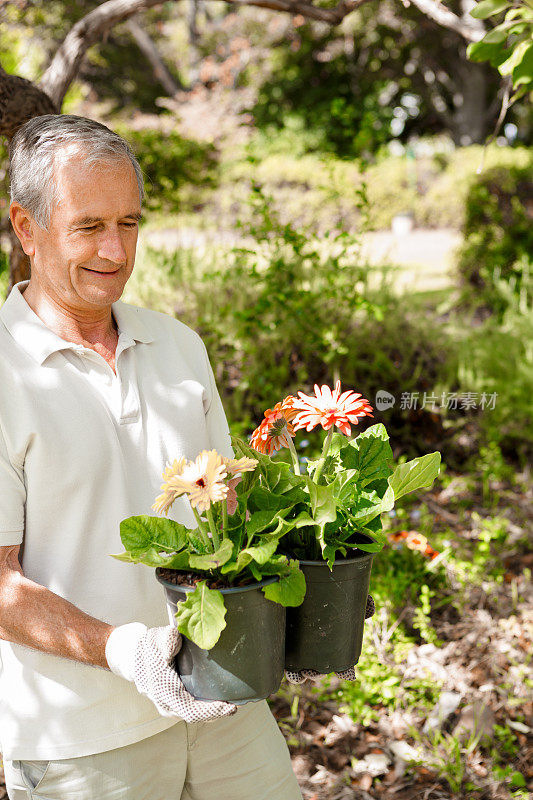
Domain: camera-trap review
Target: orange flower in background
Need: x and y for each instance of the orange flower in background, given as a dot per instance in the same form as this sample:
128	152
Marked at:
329	408
276	428
430	553
415	541
397	536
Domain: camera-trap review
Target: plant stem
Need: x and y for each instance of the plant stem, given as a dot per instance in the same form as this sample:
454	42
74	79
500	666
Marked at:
294	454
203	530
325	451
213	529
224	518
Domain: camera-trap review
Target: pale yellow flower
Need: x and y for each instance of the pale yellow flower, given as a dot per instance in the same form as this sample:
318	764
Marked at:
203	480
237	465
169	493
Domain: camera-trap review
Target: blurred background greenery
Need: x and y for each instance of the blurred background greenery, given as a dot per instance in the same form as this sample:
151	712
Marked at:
321	205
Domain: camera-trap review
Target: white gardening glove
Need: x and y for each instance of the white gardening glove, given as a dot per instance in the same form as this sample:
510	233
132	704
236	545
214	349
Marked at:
346	674
144	656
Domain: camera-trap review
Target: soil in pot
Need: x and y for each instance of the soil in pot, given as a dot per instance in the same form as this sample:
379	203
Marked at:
247	662
325	633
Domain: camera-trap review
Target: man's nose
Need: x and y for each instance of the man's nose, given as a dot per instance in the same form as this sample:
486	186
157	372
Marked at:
111	247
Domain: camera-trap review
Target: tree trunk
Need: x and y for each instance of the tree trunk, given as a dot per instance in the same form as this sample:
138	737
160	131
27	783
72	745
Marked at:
469	119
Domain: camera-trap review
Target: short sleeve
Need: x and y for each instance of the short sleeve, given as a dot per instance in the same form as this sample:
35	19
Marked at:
217	424
12	498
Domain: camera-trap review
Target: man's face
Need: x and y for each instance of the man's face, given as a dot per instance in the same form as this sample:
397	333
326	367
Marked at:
85	258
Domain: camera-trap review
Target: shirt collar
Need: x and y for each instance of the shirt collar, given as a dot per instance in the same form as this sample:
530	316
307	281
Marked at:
40	342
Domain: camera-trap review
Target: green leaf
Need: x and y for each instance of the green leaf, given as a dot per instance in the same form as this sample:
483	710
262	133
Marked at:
415	474
370	453
523	72
261	520
519	53
323	505
153	558
487	8
343	486
213	560
329	553
497	35
143	532
263	551
201	617
371	547
480	51
369	505
290	589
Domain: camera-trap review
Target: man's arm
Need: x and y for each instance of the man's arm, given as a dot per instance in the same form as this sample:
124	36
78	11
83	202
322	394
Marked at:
34	616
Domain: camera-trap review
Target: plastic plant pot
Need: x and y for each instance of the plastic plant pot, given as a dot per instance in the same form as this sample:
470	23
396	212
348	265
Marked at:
326	632
246	664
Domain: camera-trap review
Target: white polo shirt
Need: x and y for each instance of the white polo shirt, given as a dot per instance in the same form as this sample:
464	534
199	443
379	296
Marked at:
80	450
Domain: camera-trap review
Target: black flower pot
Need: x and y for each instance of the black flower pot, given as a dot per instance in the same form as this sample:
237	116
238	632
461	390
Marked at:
325	633
247	661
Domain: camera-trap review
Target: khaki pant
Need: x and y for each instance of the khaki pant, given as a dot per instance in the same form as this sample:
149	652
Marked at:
243	757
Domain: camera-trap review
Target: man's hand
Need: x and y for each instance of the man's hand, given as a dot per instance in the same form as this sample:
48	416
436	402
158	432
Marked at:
346	674
144	656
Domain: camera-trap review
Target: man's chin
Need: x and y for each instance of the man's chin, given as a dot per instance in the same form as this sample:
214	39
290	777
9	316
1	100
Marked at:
97	295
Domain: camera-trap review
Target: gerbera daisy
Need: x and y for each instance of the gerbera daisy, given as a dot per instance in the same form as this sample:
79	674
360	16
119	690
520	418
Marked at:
202	480
235	466
168	494
328	408
276	430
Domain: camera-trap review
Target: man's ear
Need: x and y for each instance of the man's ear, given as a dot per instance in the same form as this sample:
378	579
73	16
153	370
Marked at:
23	225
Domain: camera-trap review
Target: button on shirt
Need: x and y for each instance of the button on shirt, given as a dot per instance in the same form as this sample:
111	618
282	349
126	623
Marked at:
82	448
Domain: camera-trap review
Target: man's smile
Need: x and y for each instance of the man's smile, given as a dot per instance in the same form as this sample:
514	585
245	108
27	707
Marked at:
101	272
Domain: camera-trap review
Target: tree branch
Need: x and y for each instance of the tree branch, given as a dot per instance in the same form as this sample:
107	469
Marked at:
333	16
94	26
466	26
86	32
147	46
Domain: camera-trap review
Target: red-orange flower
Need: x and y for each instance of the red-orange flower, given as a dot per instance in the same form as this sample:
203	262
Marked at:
274	431
329	408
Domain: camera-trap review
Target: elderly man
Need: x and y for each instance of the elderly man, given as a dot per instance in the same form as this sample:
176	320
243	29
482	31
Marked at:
96	396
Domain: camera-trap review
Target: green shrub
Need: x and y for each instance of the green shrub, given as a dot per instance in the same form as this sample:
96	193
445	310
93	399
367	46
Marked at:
290	310
177	171
497	357
319	190
278	314
496	258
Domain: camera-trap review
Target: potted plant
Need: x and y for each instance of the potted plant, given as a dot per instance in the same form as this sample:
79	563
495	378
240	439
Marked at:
225	582
330	515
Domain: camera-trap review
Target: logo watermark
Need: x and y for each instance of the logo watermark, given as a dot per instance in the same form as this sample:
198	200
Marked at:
384	400
455	401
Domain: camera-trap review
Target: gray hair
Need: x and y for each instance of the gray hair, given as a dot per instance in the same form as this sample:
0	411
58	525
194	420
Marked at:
32	152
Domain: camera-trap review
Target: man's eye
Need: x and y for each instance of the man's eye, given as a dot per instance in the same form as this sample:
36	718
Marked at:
89	228
129	224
